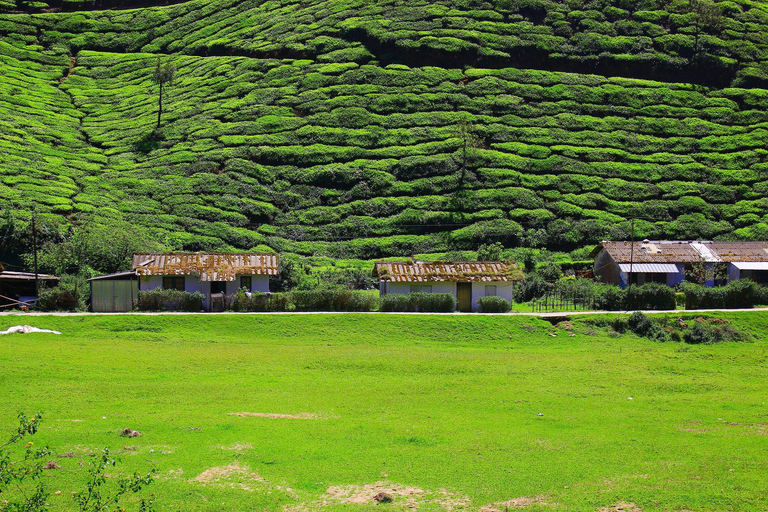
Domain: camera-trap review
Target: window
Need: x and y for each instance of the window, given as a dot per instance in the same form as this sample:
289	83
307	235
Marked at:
421	288
218	287
245	282
173	283
490	290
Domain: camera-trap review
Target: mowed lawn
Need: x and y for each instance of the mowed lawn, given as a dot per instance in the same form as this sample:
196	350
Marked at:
440	412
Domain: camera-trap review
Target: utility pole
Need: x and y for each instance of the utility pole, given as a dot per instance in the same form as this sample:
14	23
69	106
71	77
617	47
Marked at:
631	250
34	247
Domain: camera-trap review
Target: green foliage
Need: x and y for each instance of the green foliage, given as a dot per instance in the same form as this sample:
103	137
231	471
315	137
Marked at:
71	294
419	302
282	128
708	331
21	488
494	305
650	296
742	293
161	299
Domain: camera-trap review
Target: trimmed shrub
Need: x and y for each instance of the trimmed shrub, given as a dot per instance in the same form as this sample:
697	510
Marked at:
161	299
494	305
743	293
394	302
419	302
259	301
650	296
332	300
612	298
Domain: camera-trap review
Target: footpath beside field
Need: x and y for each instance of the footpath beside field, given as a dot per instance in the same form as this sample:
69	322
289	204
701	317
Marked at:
456	313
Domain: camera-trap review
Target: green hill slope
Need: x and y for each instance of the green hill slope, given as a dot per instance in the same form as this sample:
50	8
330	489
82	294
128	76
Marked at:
371	129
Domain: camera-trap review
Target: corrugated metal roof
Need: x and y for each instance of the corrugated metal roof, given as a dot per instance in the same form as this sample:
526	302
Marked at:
751	265
117	275
210	266
681	251
739	251
26	276
649	268
465	271
651	252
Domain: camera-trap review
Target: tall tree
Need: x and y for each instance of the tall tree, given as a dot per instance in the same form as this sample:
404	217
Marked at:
162	76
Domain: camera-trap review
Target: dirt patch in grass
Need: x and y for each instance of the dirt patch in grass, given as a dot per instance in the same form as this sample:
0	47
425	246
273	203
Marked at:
396	496
238	447
621	506
759	429
521	502
234	476
299	416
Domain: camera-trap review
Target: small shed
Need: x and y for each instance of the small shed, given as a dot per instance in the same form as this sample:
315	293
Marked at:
466	280
114	292
17	289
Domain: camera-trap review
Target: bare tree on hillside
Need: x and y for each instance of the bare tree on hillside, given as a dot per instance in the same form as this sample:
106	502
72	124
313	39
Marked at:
162	76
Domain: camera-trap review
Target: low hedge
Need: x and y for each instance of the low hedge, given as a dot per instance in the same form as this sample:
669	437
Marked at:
419	302
311	300
743	293
494	305
161	299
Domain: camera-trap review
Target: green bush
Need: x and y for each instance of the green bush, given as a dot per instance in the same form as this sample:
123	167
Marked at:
650	296
418	302
332	300
69	295
743	293
259	301
494	305
612	298
708	331
161	299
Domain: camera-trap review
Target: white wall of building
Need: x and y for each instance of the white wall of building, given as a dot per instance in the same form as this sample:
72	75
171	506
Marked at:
437	287
259	283
503	290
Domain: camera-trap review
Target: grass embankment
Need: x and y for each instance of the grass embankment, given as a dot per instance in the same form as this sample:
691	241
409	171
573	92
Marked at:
486	408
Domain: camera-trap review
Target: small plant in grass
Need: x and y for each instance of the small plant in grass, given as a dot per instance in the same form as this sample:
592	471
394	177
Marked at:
20	468
98	495
22	490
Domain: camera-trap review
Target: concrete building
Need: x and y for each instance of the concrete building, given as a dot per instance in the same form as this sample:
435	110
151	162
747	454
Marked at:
672	261
467	281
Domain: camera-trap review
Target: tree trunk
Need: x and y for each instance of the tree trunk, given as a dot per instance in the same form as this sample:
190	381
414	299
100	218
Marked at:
159	105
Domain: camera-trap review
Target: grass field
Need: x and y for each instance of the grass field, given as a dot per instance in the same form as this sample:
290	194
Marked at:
462	412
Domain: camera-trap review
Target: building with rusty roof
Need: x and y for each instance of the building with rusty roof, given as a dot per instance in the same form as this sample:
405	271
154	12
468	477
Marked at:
670	261
466	280
214	274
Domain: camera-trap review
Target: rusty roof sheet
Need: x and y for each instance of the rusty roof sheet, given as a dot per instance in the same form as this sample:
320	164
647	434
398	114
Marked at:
465	271
739	251
26	276
657	251
210	266
683	251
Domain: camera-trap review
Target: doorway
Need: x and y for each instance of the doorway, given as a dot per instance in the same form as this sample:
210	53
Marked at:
464	296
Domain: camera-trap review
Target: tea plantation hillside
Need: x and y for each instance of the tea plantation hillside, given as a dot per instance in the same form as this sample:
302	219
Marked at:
368	129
